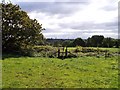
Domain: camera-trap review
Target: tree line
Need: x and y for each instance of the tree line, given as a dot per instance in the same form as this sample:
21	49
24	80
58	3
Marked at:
94	41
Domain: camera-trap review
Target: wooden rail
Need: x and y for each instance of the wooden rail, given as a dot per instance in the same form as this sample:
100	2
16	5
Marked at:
63	54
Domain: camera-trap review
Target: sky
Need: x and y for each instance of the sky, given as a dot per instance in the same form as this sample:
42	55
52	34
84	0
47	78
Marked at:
69	19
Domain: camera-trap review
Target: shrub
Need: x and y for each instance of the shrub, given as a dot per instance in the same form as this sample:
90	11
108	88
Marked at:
78	49
45	51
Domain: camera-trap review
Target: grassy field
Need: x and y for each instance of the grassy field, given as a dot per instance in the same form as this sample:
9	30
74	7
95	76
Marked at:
101	48
82	72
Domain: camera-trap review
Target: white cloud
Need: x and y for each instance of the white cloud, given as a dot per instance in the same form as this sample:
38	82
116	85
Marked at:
47	0
93	12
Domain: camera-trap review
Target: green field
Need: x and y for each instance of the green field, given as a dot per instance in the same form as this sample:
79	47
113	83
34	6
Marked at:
110	49
57	50
82	72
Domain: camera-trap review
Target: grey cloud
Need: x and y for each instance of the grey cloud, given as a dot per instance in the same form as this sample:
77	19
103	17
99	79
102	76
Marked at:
67	8
91	25
85	30
86	27
111	5
80	1
83	35
52	7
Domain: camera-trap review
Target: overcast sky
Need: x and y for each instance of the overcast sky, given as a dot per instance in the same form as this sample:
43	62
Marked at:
74	18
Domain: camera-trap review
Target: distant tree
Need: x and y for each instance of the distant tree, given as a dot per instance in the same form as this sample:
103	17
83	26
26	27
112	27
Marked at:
65	43
97	40
89	42
116	44
71	44
108	42
68	43
78	42
57	44
18	30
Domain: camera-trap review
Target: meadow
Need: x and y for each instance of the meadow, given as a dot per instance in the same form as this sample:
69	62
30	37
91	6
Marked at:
32	60
43	72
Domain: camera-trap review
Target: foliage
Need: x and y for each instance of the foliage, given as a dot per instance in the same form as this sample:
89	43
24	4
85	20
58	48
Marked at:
18	30
68	43
78	42
78	49
96	40
108	42
89	42
45	51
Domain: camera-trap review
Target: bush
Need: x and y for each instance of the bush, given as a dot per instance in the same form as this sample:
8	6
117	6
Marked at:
45	51
78	49
27	52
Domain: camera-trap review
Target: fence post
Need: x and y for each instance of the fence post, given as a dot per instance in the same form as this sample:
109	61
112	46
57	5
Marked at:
66	52
63	49
105	54
58	52
98	52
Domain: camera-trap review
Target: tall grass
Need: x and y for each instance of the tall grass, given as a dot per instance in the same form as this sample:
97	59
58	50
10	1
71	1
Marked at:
82	72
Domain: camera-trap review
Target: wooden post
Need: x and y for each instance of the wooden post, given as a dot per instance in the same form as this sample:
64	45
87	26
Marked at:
105	54
63	49
66	52
97	53
58	52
